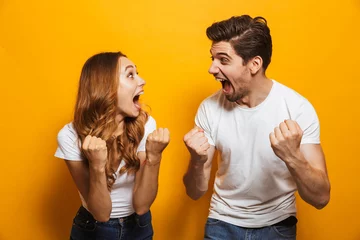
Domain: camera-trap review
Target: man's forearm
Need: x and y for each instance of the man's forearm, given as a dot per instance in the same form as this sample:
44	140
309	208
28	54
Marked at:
313	184
196	180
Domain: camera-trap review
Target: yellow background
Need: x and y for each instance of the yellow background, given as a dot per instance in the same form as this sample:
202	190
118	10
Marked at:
43	45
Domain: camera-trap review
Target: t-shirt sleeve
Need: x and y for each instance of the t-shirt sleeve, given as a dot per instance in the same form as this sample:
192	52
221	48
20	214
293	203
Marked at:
309	123
150	126
202	121
68	144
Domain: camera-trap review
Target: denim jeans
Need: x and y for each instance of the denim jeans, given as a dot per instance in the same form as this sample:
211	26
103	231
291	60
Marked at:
219	230
133	227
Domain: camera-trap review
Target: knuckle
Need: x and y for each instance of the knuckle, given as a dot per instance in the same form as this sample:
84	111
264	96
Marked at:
295	134
275	143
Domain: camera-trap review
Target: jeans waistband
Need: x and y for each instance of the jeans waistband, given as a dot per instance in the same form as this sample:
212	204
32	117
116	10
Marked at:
290	221
84	212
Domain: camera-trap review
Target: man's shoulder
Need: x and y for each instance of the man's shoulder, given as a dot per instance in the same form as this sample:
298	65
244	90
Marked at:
288	93
294	101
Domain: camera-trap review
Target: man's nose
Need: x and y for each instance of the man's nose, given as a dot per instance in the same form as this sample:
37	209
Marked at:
214	69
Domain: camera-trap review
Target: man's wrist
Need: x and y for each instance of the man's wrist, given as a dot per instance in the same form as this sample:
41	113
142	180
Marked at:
296	161
197	163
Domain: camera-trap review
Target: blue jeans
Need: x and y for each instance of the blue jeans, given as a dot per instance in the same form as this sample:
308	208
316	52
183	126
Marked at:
133	227
219	230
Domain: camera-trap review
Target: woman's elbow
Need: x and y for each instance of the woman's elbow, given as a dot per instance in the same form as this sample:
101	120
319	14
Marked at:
101	217
141	210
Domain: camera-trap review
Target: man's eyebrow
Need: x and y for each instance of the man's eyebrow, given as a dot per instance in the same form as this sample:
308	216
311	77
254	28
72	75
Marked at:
222	54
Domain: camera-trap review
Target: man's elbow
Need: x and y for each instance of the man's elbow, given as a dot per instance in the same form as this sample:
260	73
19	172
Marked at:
322	202
194	196
321	205
193	193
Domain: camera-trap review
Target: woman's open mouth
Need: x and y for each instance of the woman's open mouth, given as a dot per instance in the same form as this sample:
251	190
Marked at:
136	100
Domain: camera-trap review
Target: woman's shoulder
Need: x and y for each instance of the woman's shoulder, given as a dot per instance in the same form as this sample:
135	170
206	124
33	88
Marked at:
150	121
68	131
150	124
68	144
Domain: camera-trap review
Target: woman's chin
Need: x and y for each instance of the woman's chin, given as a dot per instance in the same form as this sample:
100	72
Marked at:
134	113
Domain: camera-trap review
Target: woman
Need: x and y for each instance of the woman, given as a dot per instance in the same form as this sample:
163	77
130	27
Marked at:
113	151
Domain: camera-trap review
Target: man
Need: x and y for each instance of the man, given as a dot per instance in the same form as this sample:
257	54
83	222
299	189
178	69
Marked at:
267	135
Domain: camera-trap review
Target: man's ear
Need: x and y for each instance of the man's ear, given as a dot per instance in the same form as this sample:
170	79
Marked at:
255	64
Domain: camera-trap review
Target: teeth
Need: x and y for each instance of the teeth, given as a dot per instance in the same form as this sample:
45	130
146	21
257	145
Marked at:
220	79
140	93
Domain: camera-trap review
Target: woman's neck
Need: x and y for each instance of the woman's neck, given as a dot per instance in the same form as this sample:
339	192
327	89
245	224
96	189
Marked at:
120	125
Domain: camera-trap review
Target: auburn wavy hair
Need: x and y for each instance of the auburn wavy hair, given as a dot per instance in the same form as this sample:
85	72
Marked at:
96	109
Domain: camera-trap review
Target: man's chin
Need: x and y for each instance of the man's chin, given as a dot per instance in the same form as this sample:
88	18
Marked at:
231	98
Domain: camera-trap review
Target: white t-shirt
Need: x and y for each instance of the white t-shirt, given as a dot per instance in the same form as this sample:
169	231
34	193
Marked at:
122	190
253	187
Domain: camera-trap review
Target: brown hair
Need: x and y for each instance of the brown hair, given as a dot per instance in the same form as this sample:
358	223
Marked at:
96	109
250	37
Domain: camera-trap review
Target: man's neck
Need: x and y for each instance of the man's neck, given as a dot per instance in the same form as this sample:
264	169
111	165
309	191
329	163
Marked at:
259	90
